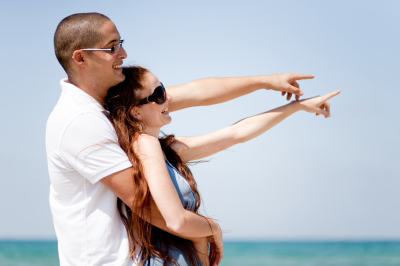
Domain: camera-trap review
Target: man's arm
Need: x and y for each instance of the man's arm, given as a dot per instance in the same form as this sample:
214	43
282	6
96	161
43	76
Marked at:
217	90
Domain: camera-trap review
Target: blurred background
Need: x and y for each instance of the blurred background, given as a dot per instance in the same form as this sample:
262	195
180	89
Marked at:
307	179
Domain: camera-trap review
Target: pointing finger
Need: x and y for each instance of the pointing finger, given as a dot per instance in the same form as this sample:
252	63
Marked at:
302	76
330	95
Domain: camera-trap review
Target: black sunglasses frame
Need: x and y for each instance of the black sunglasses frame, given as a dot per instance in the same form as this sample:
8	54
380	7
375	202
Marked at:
156	96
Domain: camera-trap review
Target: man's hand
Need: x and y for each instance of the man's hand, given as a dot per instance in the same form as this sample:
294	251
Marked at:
287	83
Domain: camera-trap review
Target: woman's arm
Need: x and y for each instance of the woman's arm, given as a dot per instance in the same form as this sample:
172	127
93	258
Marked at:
194	148
217	90
178	220
163	191
121	184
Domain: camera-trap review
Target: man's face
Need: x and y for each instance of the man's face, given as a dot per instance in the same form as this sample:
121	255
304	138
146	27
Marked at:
106	66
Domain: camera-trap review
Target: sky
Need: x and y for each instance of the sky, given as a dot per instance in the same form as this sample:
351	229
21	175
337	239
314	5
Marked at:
308	178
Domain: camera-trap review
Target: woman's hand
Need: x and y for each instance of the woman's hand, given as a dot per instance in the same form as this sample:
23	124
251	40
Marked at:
216	247
201	246
317	104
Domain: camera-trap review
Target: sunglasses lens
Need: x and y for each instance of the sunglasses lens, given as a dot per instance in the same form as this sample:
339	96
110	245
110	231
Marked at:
159	95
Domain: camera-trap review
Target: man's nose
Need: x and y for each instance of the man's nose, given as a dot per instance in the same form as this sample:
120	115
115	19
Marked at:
122	53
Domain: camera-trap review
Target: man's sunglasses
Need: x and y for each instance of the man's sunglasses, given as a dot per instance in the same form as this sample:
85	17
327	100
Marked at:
114	49
158	96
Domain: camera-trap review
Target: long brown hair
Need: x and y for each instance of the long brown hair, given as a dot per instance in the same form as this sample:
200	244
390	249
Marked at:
144	239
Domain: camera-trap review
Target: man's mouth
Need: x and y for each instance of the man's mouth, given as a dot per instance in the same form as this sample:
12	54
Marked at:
117	66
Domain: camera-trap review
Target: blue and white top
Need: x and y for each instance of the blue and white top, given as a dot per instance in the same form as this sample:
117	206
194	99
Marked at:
183	188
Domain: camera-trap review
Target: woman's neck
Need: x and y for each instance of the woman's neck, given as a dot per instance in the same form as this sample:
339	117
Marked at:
155	132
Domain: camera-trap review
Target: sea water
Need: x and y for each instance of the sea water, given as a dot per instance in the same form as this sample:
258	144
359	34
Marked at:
44	253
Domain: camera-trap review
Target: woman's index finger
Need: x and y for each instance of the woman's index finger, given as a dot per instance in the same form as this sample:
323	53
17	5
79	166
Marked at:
330	95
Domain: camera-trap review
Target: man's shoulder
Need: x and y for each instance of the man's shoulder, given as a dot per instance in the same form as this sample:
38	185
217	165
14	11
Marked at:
61	118
75	122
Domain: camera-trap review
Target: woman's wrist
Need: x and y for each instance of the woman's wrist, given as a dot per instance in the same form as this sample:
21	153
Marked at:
295	106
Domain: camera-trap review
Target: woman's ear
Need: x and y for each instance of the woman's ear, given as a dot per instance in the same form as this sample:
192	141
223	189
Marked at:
135	114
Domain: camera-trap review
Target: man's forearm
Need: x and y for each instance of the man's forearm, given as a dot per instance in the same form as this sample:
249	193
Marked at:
217	90
214	90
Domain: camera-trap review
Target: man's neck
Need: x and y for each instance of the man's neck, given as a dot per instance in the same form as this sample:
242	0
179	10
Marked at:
95	90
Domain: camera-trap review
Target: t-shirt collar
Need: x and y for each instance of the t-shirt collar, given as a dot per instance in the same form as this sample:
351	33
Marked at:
80	96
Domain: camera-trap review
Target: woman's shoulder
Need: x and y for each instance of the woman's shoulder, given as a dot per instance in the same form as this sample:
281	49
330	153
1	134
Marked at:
147	144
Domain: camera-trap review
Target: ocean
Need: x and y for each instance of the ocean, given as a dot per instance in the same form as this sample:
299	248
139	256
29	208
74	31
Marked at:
44	253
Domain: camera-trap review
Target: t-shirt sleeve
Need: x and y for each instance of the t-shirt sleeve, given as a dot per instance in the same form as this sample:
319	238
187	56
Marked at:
90	146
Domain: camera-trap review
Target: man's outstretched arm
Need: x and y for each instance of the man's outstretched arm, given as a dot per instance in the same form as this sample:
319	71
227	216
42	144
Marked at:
217	90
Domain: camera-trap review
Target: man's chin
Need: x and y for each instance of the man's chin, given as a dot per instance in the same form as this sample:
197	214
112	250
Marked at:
118	79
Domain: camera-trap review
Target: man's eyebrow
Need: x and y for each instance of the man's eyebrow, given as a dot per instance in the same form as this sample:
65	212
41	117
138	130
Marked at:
112	41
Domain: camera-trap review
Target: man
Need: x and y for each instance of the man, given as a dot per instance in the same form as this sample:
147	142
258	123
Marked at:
87	168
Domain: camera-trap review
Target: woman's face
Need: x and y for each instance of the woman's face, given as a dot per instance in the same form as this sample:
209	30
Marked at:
153	115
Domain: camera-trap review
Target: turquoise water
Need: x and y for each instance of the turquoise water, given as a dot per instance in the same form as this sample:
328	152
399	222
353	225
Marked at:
312	253
42	253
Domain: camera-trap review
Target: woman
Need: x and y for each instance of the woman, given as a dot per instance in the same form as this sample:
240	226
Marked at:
138	109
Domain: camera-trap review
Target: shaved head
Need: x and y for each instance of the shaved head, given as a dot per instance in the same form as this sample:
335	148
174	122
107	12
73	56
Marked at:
76	32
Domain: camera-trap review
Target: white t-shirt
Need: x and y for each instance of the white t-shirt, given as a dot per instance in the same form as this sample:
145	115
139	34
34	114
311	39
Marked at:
82	148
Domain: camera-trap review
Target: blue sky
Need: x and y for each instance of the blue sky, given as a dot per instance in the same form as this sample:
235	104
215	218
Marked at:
307	178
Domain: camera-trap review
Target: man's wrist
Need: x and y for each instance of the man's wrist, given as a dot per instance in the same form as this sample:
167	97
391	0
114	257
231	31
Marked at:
261	82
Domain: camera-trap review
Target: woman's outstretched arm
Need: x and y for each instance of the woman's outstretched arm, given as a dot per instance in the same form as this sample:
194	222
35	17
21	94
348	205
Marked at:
217	90
194	148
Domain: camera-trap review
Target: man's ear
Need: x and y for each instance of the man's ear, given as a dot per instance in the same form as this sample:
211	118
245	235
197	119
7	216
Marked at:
77	57
136	114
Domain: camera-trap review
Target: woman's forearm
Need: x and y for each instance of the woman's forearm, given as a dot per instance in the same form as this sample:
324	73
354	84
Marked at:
251	127
196	226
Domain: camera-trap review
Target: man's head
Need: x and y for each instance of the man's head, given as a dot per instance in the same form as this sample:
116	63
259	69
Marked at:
89	30
77	31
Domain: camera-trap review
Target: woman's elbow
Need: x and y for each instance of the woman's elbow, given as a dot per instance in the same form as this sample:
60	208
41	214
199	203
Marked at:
239	138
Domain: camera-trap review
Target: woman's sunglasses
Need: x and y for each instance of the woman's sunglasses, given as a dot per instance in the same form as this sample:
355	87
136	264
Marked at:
158	96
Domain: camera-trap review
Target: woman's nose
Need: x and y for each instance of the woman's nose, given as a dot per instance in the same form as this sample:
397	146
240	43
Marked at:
169	98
